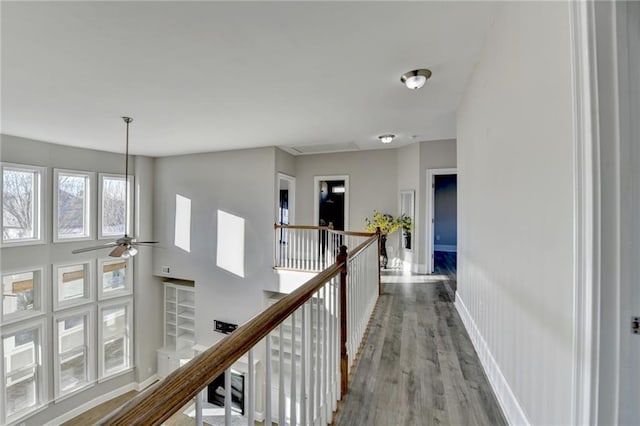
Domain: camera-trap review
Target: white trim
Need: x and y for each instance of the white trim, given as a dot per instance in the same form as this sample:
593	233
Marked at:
147	382
42	371
89	205
129	205
127	303
292	196
316	198
586	265
88	312
40	205
91	404
431	174
128	289
412	214
41	301
506	398
88	295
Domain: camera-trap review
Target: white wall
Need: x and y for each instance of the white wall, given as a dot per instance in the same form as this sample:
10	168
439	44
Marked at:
372	185
433	155
237	182
515	211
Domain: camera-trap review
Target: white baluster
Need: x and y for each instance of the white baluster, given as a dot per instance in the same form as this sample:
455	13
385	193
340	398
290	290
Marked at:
303	367
269	389
312	365
281	394
252	391
227	397
292	398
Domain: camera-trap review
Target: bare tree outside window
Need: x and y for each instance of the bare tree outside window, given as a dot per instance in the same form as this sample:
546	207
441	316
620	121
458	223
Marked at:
19	190
72	206
114	194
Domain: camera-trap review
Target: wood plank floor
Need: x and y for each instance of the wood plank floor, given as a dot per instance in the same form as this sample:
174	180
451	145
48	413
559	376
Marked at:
418	366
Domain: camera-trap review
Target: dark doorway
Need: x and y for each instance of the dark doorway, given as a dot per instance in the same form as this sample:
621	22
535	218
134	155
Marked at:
331	205
445	229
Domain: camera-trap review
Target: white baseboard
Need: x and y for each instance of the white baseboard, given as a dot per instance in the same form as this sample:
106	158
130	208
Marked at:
507	400
146	383
91	404
103	398
449	248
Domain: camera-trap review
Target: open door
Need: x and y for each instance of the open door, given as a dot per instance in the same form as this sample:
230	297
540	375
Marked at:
331	201
442	237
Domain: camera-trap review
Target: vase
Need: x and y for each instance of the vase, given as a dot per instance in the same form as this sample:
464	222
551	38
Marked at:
383	251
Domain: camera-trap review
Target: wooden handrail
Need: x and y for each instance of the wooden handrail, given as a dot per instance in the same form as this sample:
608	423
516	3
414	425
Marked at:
156	404
325	228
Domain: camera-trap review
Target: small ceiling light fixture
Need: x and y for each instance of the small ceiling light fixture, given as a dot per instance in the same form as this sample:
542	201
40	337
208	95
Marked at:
386	138
415	79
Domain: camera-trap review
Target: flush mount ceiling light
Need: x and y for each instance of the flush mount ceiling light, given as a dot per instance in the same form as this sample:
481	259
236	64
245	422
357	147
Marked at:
415	79
386	138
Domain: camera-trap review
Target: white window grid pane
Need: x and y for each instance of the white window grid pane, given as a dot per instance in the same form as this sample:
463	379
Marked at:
22	294
74	346
22	213
23	381
72	205
113	204
73	284
115	279
115	338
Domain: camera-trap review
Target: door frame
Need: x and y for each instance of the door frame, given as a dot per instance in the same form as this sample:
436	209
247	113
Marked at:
292	197
316	197
431	196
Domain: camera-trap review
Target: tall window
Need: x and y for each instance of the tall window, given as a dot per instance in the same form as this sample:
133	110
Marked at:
21	295
21	203
115	208
23	378
72	199
73	357
115	338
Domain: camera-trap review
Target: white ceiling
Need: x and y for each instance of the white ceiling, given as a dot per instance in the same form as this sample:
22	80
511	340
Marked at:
208	76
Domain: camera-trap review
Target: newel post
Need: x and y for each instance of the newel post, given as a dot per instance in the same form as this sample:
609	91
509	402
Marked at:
344	359
379	254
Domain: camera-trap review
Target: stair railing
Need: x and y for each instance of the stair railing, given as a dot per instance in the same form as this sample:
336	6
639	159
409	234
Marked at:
311	248
307	342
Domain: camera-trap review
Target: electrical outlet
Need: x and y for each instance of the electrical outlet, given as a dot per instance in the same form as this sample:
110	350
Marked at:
165	269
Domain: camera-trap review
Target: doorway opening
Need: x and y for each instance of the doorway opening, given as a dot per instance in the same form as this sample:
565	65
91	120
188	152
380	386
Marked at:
286	199
443	230
331	201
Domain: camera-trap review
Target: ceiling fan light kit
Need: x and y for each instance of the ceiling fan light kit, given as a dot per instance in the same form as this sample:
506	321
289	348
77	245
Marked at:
123	247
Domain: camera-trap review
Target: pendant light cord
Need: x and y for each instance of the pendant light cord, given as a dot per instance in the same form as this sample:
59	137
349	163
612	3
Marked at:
126	178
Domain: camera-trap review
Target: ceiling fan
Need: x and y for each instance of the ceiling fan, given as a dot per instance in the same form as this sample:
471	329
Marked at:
124	246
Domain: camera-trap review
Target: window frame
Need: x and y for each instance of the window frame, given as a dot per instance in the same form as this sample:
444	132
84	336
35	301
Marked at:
40	205
128	290
88	297
129	204
128	305
40	298
89	345
89	205
41	370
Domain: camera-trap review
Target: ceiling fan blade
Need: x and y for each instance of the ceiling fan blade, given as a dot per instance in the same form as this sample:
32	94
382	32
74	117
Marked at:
117	252
144	242
85	249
